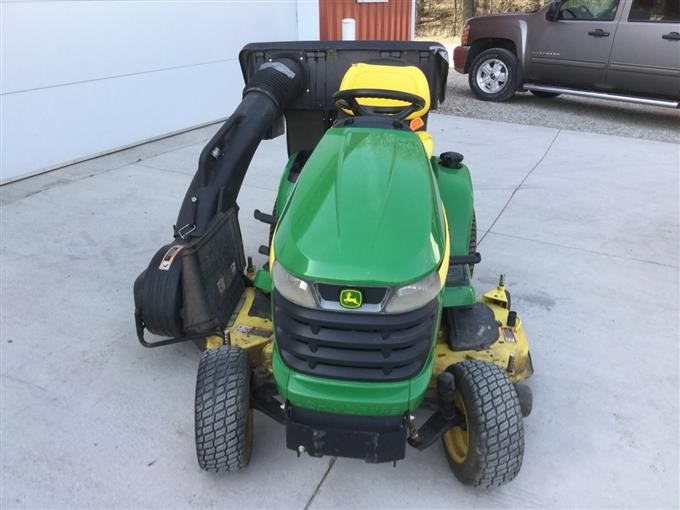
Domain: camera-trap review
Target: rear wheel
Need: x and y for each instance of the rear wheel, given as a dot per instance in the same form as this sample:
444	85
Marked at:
547	95
488	450
223	418
494	75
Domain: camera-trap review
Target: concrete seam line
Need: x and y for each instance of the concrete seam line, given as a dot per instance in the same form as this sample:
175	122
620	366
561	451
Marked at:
116	150
517	188
323	479
176	172
99	172
584	250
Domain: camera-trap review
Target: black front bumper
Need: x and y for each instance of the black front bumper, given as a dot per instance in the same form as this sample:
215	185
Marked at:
373	439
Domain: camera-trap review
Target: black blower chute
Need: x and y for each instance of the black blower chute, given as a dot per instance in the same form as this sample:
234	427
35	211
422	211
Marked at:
191	285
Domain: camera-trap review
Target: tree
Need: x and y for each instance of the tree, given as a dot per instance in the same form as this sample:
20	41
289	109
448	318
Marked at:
468	9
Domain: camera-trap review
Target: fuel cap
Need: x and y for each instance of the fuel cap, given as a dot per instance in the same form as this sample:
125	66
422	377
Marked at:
450	159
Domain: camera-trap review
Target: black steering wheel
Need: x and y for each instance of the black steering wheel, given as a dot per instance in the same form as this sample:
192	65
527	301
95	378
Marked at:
347	100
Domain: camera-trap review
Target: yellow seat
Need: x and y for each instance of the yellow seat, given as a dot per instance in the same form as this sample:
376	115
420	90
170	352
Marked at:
407	79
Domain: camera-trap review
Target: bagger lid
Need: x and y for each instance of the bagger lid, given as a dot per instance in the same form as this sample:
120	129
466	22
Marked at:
324	63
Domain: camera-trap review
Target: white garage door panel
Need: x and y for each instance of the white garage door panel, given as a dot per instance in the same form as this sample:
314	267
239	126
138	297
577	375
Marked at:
47	126
52	43
83	77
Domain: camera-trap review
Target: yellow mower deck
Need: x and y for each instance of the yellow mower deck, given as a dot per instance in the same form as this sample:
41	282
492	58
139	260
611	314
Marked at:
510	351
250	332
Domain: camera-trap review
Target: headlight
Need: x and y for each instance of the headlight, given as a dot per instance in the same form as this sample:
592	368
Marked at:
414	295
291	287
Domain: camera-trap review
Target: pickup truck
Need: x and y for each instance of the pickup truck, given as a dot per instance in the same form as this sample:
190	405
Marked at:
626	50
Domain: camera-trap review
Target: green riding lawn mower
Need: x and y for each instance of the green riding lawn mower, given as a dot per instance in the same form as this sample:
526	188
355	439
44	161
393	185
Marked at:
364	312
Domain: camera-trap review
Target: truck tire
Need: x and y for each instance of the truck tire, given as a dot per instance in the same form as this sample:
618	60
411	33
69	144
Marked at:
488	450
495	75
223	418
541	93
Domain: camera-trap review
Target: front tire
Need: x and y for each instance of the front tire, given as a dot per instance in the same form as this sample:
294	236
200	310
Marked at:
488	450
494	75
223	418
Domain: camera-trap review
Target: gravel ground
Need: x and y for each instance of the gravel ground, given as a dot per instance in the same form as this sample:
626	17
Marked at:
566	112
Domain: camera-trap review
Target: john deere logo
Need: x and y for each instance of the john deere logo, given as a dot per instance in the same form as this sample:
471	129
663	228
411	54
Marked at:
351	298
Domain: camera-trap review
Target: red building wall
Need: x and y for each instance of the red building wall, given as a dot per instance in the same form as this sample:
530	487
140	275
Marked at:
374	20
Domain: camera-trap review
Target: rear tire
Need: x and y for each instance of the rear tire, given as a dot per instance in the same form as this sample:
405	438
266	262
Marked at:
495	75
473	241
547	95
488	452
223	418
272	228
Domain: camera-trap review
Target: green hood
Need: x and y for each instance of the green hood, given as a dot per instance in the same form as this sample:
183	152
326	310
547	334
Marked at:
364	211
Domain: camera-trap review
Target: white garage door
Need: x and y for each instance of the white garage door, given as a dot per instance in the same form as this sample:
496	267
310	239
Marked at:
85	77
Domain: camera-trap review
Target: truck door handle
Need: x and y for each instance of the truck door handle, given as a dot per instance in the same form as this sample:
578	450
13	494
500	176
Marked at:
598	33
671	36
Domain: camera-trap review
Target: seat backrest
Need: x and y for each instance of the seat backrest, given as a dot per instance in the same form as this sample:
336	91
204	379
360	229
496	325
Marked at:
407	79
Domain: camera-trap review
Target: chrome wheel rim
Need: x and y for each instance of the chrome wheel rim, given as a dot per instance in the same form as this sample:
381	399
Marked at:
492	76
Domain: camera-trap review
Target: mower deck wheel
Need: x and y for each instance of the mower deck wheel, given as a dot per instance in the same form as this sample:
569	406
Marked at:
488	450
526	398
223	417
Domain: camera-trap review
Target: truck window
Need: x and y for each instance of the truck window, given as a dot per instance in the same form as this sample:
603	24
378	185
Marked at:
593	10
660	11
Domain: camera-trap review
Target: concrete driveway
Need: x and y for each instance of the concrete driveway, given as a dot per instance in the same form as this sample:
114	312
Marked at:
585	227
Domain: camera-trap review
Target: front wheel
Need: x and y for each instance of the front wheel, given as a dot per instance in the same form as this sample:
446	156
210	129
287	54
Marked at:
494	75
223	418
488	450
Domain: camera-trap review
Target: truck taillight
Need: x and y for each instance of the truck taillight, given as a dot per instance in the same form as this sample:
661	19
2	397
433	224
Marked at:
466	35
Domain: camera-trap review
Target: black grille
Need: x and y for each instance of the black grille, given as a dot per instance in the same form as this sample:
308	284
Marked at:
354	346
371	295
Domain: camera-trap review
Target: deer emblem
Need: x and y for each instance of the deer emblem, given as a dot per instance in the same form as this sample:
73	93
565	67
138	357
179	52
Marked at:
350	298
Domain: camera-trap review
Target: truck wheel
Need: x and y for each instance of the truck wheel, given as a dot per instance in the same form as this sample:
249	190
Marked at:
488	450
541	93
223	418
494	75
